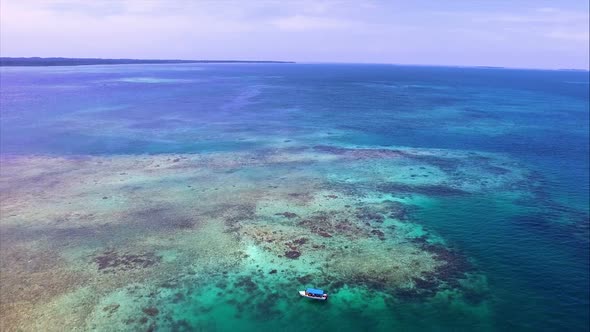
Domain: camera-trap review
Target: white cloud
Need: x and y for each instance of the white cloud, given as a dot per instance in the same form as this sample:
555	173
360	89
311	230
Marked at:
547	10
302	23
541	16
582	36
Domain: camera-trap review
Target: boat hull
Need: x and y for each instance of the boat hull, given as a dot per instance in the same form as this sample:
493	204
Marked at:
324	298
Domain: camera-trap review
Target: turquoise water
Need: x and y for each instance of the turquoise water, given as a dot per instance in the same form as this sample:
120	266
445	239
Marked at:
421	198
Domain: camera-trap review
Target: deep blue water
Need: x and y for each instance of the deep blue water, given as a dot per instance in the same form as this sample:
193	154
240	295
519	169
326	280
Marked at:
535	253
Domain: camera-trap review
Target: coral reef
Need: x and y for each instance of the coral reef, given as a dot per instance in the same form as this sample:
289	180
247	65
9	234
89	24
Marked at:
158	242
110	261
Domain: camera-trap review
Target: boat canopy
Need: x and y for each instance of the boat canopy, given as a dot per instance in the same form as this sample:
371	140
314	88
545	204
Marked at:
315	291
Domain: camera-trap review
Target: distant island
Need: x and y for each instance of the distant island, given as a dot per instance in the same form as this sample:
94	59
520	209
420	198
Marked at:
572	69
36	61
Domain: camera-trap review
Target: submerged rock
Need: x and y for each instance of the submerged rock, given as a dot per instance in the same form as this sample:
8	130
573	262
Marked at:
368	215
428	190
151	311
288	215
379	234
300	241
359	153
247	283
111	260
322	233
306	279
293	254
111	308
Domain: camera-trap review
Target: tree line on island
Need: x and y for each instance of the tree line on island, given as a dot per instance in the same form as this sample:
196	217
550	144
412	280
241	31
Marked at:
37	61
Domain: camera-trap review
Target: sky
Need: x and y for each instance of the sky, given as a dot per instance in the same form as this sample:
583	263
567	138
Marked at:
519	33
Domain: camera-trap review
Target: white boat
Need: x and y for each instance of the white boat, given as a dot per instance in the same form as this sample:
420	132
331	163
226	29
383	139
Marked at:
312	293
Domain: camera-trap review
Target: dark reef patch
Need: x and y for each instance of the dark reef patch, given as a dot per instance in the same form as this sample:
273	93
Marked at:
111	261
411	294
447	165
161	218
233	214
267	308
359	153
368	215
182	223
288	215
56	235
178	297
181	325
454	265
453	268
246	283
369	279
306	279
496	170
325	224
397	210
292	254
379	234
474	296
574	229
151	311
322	233
301	198
428	190
111	308
300	241
425	284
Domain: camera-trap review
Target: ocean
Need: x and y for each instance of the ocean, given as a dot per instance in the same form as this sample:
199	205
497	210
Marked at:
203	197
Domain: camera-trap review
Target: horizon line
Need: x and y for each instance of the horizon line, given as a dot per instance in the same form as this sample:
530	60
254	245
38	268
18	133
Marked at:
293	62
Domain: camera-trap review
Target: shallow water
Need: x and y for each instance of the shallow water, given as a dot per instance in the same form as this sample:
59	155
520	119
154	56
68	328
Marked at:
203	197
